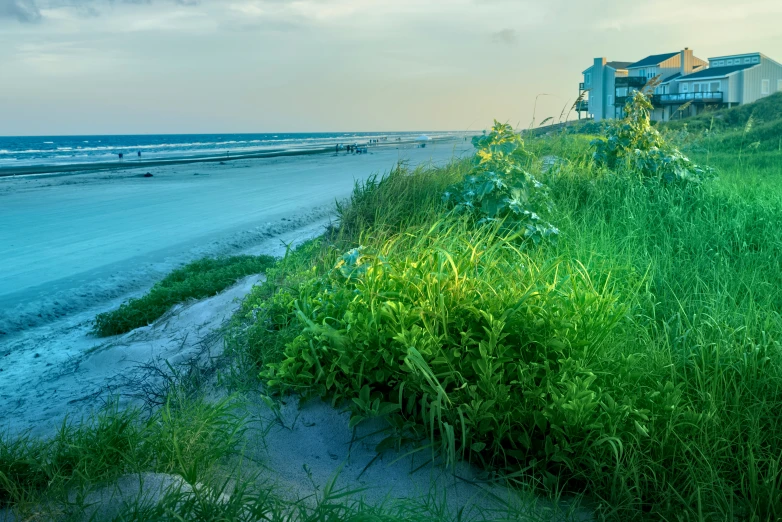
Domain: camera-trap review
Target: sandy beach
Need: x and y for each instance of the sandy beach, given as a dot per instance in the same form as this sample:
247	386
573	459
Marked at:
80	244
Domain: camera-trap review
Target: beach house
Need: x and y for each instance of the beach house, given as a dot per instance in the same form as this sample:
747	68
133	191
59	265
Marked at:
686	84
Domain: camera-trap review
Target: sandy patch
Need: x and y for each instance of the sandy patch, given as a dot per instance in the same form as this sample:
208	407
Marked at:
60	369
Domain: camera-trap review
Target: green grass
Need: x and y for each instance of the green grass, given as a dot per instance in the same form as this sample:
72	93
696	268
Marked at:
728	129
636	360
196	280
766	110
187	437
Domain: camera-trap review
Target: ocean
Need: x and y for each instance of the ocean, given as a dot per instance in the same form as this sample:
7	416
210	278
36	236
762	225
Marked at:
28	151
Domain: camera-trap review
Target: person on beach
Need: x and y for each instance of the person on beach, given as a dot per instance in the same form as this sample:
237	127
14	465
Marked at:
120	156
139	154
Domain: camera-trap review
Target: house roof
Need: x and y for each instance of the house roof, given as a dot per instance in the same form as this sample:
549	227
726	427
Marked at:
618	65
652	60
717	72
613	65
671	78
732	56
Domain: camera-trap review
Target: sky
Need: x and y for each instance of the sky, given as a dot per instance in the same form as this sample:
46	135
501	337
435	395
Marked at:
204	66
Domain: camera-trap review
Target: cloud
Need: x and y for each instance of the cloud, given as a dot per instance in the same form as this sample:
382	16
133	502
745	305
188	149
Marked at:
25	11
31	11
505	37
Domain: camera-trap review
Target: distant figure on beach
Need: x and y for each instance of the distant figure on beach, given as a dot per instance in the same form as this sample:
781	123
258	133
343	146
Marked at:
120	156
139	154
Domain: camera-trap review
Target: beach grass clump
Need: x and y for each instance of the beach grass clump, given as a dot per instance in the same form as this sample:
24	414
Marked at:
187	437
426	331
184	461
404	197
197	280
637	360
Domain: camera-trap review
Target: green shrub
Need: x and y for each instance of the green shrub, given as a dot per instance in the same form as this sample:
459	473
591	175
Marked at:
634	146
196	280
499	189
455	333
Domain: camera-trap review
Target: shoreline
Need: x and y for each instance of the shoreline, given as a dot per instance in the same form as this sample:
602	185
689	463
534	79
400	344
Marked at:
72	168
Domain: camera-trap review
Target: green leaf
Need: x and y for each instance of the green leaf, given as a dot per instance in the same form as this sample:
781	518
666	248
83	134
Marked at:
355	420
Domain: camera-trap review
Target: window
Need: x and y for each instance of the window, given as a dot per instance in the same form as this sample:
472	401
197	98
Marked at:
642	73
756	59
714	87
610	100
588	78
721	63
685	87
621	92
747	60
696	87
765	87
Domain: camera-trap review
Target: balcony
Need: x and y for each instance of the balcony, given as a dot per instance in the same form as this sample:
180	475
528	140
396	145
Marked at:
581	86
582	106
683	97
630	81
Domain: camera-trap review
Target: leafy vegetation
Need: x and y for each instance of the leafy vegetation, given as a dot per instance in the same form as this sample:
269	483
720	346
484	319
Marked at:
634	146
499	189
196	280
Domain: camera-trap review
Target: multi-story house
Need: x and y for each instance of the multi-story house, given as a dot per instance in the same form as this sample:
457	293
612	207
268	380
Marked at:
686	85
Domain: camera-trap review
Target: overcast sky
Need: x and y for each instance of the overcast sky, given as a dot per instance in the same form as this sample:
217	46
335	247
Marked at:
202	66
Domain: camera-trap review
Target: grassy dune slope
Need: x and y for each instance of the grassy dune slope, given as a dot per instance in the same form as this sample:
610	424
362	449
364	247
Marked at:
751	127
636	359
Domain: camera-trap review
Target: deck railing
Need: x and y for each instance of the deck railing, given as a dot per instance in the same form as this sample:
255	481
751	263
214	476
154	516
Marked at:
683	97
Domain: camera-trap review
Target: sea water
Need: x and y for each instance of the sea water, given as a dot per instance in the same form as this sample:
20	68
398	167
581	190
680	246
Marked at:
23	151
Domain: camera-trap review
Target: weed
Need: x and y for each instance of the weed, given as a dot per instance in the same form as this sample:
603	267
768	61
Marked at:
499	190
196	280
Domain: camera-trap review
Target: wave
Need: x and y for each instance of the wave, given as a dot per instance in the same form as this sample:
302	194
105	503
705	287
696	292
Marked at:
77	150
